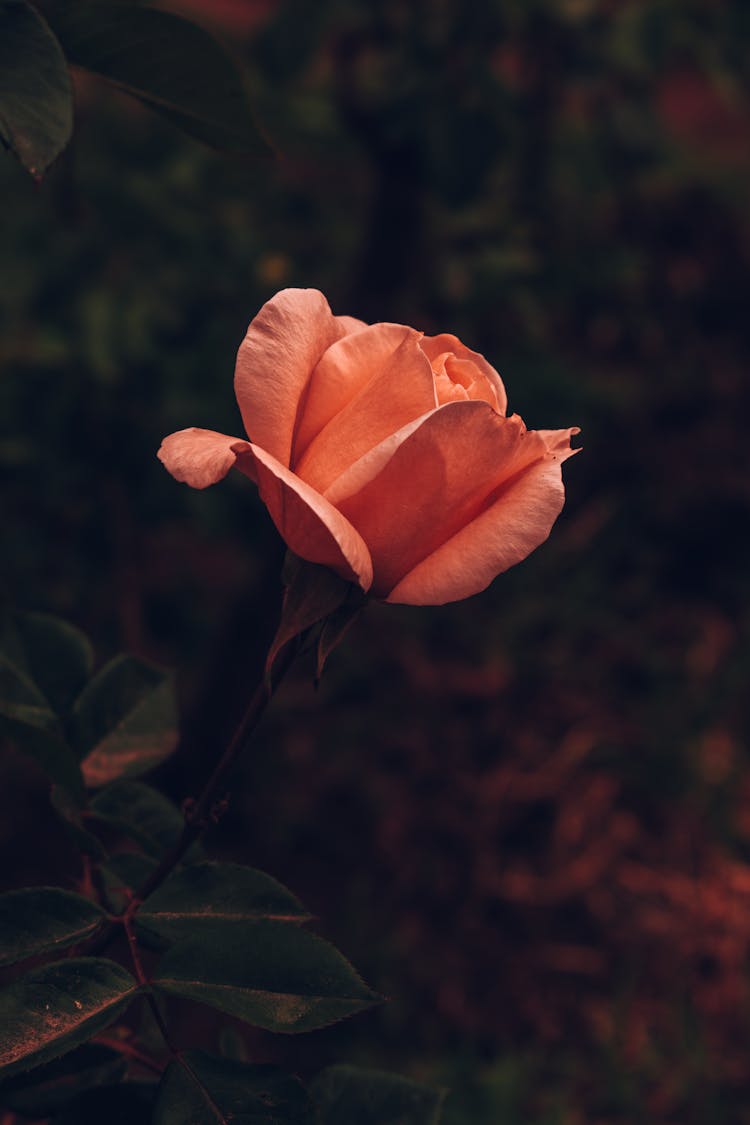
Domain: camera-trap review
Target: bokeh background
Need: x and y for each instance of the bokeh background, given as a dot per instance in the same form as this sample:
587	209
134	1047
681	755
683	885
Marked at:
525	817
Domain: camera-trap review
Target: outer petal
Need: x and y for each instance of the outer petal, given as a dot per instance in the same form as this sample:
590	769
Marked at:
518	520
434	346
199	457
282	346
373	380
308	524
440	479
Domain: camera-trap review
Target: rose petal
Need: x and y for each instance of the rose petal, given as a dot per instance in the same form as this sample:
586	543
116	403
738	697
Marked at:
439	479
378	380
310	526
518	521
199	457
349	324
434	346
282	346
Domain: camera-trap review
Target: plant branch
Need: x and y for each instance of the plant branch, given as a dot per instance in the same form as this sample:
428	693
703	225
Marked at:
200	812
130	1051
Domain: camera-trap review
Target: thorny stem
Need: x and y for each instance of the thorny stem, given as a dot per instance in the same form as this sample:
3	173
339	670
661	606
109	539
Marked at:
198	813
142	978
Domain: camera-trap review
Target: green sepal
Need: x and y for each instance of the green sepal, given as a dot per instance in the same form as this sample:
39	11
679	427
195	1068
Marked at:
312	595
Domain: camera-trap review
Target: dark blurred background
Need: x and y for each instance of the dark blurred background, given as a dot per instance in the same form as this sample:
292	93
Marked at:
524	817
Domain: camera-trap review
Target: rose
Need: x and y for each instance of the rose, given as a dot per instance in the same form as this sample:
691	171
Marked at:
382	453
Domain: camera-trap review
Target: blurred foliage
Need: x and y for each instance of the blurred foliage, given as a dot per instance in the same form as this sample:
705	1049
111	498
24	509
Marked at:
535	802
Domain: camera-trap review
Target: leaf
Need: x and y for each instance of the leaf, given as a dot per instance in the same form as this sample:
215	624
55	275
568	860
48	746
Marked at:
46	1089
127	1103
35	731
176	68
229	1091
122	875
70	812
345	1094
270	974
43	744
142	813
312	593
125	722
40	919
36	99
57	1007
53	654
207	897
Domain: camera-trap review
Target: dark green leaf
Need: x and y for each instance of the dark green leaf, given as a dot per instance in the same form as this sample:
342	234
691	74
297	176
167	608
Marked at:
222	1090
46	1089
271	974
21	699
345	1094
43	744
70	812
141	813
125	722
57	1007
204	897
127	1103
173	66
36	101
54	655
40	919
27	718
122	875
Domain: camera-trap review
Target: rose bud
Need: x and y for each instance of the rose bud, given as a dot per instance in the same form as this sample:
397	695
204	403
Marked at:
382	453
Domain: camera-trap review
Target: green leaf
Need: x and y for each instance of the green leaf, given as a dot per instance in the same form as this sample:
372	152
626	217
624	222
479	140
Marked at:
46	1089
122	875
71	813
127	1103
207	897
36	100
44	745
345	1094
54	655
140	812
216	1091
270	974
173	66
40	919
33	736
57	1007
125	722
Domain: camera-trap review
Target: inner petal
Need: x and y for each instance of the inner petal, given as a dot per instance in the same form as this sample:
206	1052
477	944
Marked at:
400	389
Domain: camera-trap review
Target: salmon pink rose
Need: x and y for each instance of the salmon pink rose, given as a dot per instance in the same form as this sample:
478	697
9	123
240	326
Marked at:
382	453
